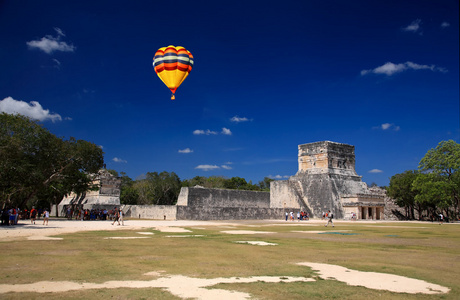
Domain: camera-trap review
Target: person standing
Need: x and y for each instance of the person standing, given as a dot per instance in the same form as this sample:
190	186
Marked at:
46	216
330	216
441	218
33	215
116	215
120	217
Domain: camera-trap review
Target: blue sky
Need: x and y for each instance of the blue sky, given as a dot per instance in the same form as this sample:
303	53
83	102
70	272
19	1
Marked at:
268	75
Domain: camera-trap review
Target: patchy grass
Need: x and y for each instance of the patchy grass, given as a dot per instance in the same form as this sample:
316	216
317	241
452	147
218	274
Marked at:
424	251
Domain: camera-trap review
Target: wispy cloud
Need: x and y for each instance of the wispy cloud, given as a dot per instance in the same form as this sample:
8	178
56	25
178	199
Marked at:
445	24
225	131
50	44
204	132
119	160
413	27
238	119
207	167
214	167
186	150
390	68
375	171
57	63
388	126
32	110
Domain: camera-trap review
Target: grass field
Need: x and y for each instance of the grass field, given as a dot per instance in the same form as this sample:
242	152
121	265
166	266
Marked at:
425	251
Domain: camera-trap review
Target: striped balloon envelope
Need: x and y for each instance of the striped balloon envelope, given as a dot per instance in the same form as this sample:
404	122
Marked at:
173	64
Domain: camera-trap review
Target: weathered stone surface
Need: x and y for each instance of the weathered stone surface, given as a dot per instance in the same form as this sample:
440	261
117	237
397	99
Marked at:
223	204
327	180
156	212
200	197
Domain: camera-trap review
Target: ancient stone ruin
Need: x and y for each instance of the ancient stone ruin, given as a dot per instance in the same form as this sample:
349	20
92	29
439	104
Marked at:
327	180
107	194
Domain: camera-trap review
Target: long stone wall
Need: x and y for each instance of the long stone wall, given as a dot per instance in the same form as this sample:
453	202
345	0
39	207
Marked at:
155	212
221	204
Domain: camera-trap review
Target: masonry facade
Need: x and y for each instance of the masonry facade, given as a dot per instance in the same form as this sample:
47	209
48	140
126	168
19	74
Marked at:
326	180
108	193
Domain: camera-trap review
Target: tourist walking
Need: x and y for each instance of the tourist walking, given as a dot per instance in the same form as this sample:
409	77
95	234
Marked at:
46	216
330	216
33	215
441	218
120	217
117	216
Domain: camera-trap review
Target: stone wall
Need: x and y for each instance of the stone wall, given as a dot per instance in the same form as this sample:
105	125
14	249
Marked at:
155	212
281	195
325	178
221	204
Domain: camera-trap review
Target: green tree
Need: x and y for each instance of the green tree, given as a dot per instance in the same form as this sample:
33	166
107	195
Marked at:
444	161
158	188
35	163
401	190
433	191
235	183
265	184
197	180
128	193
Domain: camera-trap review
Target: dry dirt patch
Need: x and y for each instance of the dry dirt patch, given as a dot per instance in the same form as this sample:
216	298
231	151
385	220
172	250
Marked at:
377	281
178	285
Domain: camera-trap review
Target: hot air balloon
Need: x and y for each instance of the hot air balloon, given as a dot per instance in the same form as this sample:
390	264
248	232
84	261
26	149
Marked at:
173	64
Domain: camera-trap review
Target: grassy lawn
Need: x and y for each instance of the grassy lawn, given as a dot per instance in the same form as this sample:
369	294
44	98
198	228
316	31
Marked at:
425	251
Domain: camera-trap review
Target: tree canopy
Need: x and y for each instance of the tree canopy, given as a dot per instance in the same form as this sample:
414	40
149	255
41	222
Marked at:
36	164
435	186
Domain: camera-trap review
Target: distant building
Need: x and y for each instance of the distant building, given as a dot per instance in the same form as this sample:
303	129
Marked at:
107	194
327	180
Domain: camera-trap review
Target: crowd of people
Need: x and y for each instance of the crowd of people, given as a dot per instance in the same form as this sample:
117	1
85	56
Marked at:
93	214
11	216
301	215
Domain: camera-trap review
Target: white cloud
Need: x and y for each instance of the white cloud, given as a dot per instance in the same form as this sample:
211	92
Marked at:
226	131
49	44
32	110
58	63
388	126
204	132
237	119
119	160
413	27
445	24
59	31
226	167
375	171
207	167
186	150
390	68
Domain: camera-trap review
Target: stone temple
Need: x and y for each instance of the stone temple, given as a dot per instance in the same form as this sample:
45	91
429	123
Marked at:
327	180
108	193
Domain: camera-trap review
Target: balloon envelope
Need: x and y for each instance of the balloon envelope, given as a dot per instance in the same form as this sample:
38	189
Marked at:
173	64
